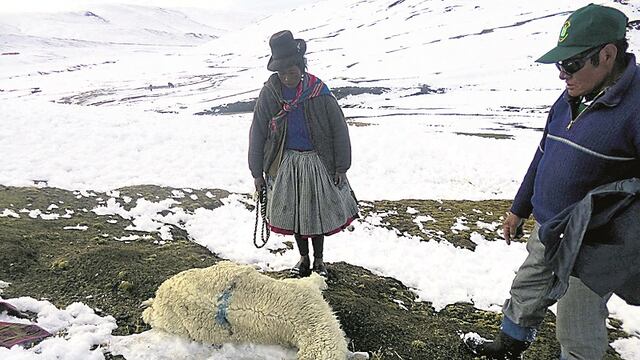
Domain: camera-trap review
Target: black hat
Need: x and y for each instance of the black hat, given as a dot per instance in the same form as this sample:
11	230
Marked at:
285	50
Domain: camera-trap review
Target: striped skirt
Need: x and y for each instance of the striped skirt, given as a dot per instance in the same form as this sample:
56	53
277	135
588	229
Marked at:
303	199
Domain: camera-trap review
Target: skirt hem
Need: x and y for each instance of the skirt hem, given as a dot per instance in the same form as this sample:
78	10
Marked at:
281	231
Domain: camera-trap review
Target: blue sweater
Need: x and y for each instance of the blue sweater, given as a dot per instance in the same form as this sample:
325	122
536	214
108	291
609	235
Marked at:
601	146
297	133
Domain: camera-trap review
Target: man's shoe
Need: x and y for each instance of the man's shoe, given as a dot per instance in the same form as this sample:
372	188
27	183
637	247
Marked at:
302	268
319	268
503	348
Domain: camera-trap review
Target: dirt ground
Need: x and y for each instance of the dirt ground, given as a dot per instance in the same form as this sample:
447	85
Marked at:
42	260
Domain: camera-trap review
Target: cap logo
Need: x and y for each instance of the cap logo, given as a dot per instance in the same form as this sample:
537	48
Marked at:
565	31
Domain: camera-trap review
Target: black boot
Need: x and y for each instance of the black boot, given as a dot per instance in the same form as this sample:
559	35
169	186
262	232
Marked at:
319	268
503	348
302	268
318	249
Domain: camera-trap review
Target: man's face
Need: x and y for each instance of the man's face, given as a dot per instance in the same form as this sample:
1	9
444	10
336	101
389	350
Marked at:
290	76
585	80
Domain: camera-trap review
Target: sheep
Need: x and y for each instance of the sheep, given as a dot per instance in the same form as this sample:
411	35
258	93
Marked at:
231	303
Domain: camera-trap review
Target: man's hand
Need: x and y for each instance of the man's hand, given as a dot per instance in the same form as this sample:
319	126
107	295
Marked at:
339	179
510	227
259	183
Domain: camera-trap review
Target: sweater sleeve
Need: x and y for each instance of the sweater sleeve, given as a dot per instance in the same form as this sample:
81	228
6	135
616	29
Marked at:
340	132
635	133
258	134
522	206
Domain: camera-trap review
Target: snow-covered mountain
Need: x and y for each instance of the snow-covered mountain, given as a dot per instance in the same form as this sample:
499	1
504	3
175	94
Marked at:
109	24
485	49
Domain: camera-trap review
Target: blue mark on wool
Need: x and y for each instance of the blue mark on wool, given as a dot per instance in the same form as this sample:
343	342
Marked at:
223	308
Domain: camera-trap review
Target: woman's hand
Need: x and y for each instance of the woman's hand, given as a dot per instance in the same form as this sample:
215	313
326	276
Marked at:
339	179
259	183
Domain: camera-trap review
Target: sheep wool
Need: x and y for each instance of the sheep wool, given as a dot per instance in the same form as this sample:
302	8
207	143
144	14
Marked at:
231	303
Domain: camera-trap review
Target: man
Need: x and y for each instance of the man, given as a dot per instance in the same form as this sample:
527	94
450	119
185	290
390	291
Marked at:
592	137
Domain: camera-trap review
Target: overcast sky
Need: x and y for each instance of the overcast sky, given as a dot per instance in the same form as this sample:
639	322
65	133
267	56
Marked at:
16	6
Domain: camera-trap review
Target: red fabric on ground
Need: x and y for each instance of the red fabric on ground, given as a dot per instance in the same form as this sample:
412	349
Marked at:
20	334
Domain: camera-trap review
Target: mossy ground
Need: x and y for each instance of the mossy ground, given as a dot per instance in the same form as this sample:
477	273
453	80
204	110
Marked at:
379	315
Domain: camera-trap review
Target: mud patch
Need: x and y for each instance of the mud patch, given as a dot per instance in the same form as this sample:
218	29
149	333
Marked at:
520	126
232	108
359	123
248	105
426	89
496	136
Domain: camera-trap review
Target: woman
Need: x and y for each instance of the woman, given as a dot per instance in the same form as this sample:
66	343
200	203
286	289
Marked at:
300	141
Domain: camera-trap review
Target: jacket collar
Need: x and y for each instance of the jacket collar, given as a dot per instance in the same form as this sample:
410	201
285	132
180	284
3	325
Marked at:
614	94
273	84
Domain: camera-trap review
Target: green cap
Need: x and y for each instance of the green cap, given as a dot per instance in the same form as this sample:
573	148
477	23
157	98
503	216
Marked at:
587	28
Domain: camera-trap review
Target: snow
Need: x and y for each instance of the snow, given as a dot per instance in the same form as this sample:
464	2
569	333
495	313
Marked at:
157	345
80	329
151	148
78	114
76	227
627	348
9	212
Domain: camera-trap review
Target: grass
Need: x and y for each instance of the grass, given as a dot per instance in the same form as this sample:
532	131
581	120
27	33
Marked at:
43	260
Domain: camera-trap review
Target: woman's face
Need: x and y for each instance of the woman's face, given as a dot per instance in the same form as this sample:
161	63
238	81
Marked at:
290	76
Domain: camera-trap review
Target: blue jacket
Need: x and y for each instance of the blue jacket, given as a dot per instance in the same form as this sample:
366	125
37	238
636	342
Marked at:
598	241
600	147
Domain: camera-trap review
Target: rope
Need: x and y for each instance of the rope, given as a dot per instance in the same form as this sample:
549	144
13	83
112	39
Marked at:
261	209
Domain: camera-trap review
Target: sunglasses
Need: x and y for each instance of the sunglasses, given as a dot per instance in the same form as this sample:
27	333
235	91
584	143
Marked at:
574	64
